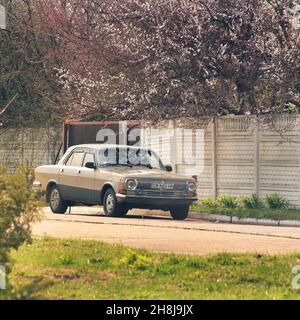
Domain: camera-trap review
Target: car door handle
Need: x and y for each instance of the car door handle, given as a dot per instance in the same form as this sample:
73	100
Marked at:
61	170
78	172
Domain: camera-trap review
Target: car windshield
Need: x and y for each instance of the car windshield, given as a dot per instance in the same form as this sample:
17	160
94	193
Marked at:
129	157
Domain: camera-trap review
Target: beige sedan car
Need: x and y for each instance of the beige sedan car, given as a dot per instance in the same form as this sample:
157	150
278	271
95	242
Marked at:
118	177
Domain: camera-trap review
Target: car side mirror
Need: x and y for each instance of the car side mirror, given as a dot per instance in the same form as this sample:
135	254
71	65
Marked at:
169	168
90	165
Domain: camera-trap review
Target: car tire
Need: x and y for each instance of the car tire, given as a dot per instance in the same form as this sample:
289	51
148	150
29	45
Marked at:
112	208
180	212
57	204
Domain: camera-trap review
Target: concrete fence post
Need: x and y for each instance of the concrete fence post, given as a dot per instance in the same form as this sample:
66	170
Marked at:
257	138
48	144
174	146
214	160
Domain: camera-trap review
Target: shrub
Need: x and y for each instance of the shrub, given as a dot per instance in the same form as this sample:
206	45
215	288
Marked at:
208	203
252	202
276	201
228	202
18	209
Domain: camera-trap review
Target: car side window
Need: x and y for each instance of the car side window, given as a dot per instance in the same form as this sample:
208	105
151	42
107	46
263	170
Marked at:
89	157
75	159
68	163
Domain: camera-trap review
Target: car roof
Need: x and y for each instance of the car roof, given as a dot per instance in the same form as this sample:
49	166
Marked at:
104	146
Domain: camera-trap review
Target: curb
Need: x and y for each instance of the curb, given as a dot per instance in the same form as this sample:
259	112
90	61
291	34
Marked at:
244	221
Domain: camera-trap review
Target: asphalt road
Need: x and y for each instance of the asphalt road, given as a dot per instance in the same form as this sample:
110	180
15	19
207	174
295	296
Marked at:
162	234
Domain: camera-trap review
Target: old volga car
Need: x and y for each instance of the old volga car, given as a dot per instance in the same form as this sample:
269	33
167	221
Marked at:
118	177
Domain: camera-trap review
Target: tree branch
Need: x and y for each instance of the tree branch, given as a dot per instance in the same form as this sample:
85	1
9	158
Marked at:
9	104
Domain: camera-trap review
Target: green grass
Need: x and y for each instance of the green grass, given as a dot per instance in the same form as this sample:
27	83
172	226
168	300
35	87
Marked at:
274	214
73	269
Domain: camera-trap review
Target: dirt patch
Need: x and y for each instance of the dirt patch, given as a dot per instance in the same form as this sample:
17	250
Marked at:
66	274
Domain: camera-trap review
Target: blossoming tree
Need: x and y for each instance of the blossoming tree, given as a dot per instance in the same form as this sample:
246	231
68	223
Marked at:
161	59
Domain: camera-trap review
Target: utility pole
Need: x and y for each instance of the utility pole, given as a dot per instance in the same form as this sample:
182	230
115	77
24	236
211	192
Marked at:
2	18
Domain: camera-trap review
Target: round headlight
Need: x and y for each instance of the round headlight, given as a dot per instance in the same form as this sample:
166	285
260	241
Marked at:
131	184
192	187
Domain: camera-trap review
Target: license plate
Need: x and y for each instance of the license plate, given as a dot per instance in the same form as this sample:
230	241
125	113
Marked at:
162	186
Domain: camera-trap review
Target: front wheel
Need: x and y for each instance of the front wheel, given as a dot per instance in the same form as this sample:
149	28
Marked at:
57	204
180	212
111	206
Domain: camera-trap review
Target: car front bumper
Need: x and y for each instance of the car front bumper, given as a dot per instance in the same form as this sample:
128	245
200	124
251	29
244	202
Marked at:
156	202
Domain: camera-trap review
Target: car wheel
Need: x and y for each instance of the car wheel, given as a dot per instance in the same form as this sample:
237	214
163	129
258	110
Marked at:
57	204
180	212
111	206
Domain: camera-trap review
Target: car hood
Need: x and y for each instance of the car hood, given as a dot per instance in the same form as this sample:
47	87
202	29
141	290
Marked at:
155	174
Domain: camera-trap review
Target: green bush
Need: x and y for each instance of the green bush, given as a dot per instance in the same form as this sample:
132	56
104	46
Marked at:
18	209
228	202
276	201
208	203
251	202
